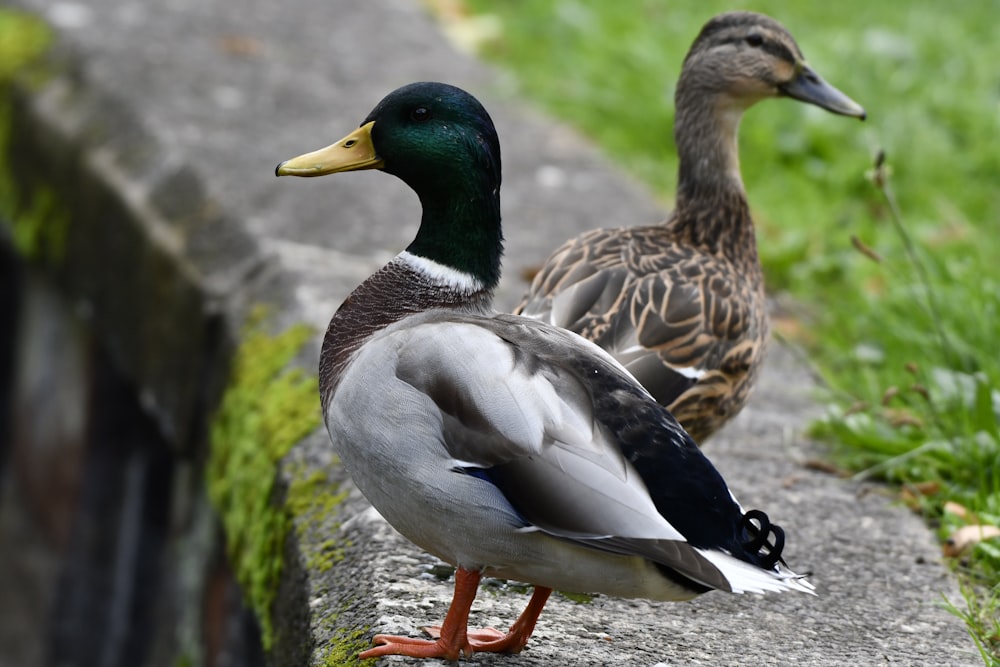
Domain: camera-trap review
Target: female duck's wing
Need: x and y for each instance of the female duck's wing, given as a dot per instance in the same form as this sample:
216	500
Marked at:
681	321
692	331
577	448
580	284
647	300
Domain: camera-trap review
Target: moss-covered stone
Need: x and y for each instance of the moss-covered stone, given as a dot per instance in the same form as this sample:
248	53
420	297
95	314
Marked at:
343	644
343	648
38	223
579	598
266	409
23	38
311	499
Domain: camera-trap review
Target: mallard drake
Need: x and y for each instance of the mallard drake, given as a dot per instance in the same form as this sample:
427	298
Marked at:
500	444
681	303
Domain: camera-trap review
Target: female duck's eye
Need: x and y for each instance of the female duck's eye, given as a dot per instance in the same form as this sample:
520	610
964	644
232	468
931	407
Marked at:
754	40
420	114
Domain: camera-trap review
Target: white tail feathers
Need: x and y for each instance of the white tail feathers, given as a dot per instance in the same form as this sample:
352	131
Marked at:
748	578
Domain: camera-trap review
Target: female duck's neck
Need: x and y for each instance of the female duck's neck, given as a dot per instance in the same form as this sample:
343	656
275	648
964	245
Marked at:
710	195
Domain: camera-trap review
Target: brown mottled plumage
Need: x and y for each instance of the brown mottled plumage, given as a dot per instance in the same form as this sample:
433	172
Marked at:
681	303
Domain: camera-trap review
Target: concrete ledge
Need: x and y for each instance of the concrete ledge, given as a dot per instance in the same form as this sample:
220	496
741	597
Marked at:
157	127
144	248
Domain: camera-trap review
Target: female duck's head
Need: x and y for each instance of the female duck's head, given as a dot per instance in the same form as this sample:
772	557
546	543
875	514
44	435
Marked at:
744	57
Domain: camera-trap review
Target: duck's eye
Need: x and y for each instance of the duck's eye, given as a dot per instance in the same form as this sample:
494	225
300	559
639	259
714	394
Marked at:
754	40
420	114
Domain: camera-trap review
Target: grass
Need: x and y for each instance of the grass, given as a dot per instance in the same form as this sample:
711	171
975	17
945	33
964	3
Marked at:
937	435
898	309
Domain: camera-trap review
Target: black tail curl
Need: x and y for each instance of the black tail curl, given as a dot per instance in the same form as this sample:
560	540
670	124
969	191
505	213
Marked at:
767	540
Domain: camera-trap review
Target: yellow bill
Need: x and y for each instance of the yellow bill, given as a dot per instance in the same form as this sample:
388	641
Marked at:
352	153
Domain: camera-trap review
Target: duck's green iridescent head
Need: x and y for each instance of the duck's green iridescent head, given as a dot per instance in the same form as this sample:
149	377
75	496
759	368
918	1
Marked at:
431	133
442	143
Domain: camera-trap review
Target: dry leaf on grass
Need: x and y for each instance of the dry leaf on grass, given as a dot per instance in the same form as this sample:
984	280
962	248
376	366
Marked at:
967	537
961	511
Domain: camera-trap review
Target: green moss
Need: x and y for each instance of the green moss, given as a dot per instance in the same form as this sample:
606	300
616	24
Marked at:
344	644
343	648
39	226
266	409
38	223
23	38
579	598
311	500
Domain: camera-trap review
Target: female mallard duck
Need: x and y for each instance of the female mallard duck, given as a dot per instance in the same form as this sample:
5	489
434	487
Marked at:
501	444
681	304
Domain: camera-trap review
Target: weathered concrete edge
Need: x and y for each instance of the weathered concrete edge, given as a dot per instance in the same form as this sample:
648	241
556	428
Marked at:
148	259
151	261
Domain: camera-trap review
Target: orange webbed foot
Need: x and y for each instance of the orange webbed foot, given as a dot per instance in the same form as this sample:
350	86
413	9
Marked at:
415	648
475	636
484	640
452	639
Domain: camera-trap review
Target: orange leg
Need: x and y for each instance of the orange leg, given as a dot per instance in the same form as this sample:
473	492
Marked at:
517	637
453	637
